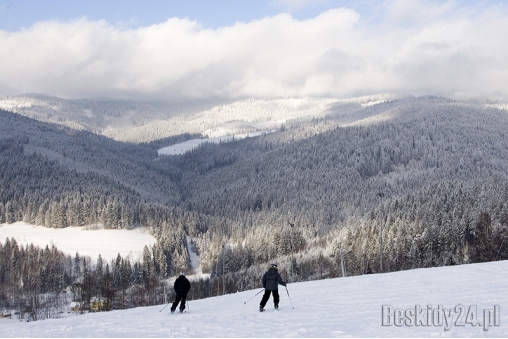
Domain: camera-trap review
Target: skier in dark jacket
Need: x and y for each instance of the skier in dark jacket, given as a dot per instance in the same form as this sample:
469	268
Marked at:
182	287
271	280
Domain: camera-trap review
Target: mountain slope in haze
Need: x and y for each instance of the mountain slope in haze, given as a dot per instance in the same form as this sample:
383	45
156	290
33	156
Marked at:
138	121
101	116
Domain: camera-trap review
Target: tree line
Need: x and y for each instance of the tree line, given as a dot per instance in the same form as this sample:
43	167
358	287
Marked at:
41	283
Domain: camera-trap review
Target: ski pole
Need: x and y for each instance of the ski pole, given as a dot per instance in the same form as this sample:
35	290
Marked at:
165	306
289	297
254	296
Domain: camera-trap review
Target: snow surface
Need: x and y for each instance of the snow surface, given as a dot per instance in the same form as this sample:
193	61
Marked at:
189	145
78	239
342	307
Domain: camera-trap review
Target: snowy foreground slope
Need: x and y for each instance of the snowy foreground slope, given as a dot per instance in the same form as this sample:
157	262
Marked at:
343	307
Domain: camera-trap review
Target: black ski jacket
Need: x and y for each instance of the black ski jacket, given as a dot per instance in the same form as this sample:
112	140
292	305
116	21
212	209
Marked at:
182	285
271	279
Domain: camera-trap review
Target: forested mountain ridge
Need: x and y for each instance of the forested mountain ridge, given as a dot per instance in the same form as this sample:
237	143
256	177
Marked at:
431	169
424	142
85	152
433	172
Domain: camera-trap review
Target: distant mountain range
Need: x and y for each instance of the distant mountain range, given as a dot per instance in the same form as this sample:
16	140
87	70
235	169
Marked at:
135	121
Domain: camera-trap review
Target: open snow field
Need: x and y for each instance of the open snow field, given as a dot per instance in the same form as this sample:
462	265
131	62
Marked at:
342	307
77	239
189	145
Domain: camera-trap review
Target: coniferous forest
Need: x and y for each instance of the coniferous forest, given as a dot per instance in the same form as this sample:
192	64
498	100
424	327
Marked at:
425	177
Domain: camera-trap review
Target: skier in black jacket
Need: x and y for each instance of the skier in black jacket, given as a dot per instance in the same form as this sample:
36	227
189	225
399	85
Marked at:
271	280
182	287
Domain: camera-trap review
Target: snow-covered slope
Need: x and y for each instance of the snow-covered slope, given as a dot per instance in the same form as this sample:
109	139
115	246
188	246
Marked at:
343	307
191	144
85	240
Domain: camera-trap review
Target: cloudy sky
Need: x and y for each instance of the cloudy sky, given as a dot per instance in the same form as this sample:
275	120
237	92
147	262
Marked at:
236	48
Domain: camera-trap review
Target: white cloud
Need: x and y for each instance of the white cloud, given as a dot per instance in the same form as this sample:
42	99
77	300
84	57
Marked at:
438	48
417	11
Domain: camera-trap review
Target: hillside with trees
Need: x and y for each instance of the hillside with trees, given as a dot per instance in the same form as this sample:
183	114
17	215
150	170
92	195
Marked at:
426	177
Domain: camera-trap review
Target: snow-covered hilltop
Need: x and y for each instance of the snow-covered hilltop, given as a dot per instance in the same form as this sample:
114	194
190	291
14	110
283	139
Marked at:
456	301
134	121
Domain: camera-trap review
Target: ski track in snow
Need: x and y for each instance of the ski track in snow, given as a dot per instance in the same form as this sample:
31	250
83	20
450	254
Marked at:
341	307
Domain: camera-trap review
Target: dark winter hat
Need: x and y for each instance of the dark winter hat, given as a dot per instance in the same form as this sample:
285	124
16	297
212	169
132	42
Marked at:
274	265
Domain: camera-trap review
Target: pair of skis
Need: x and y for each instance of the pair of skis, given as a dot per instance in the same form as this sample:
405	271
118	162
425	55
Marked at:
187	311
261	310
